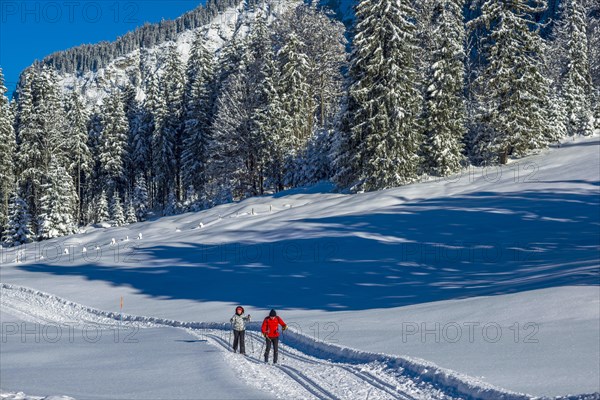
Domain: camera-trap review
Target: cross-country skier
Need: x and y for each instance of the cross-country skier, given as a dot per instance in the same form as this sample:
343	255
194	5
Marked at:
238	322
270	330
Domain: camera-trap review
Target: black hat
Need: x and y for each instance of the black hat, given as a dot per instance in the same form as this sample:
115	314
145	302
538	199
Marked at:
273	313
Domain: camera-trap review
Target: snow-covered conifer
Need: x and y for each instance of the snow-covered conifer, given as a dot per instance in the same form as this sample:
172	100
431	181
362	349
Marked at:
116	210
113	141
140	198
58	203
512	91
382	134
7	153
444	101
17	230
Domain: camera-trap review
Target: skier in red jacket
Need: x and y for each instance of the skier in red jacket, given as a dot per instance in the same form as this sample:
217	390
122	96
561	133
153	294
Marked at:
270	330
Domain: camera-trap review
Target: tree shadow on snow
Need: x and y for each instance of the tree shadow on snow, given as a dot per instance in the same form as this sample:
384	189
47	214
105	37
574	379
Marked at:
443	248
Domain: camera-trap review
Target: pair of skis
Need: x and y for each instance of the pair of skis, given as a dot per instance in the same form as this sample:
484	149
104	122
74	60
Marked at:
262	347
280	349
230	345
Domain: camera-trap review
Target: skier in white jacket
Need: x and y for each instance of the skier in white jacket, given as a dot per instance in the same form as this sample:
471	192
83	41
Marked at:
238	322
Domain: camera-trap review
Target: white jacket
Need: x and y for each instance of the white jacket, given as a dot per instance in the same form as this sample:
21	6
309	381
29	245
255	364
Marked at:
239	322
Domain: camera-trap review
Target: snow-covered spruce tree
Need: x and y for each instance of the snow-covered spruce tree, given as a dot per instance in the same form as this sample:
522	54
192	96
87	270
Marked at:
577	82
262	77
444	102
17	230
427	21
79	156
171	124
382	131
512	92
143	146
167	129
134	161
95	184
58	203
229	59
130	217
163	155
594	47
140	135
113	141
297	102
7	153
556	66
343	155
270	120
242	129
172	207
140	198
198	102
39	127
227	148
557	127
116	210
101	211
324	44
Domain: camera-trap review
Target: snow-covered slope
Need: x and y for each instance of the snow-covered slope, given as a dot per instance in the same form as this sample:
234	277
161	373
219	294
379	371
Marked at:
132	68
508	258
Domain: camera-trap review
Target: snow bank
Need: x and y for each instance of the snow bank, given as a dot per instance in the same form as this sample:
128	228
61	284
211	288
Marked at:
421	370
23	396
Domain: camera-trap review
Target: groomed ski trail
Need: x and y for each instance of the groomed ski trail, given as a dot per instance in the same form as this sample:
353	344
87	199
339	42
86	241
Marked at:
307	369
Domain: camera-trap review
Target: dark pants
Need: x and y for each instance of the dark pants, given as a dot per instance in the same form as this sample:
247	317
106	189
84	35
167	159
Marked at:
275	342
238	337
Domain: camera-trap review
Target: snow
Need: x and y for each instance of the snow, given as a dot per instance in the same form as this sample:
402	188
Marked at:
233	22
92	363
23	396
67	322
489	248
561	341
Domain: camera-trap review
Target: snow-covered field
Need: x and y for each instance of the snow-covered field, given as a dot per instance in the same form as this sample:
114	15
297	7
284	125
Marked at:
491	276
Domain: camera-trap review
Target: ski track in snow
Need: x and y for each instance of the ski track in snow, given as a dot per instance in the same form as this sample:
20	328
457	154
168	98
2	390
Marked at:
23	396
306	370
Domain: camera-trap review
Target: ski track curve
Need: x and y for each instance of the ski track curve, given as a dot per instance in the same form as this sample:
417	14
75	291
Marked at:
305	382
363	375
306	364
366	377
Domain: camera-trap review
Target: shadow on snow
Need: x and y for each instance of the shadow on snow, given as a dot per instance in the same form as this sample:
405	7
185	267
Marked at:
443	248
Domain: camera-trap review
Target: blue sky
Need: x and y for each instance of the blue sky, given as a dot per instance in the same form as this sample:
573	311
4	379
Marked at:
32	29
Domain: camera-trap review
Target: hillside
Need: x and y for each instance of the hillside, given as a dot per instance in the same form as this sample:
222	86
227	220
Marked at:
134	67
482	249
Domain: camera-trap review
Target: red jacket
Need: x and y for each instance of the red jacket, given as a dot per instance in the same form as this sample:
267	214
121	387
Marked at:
270	326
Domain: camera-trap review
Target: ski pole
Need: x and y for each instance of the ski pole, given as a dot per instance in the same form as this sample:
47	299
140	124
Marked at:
230	329
262	347
281	347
